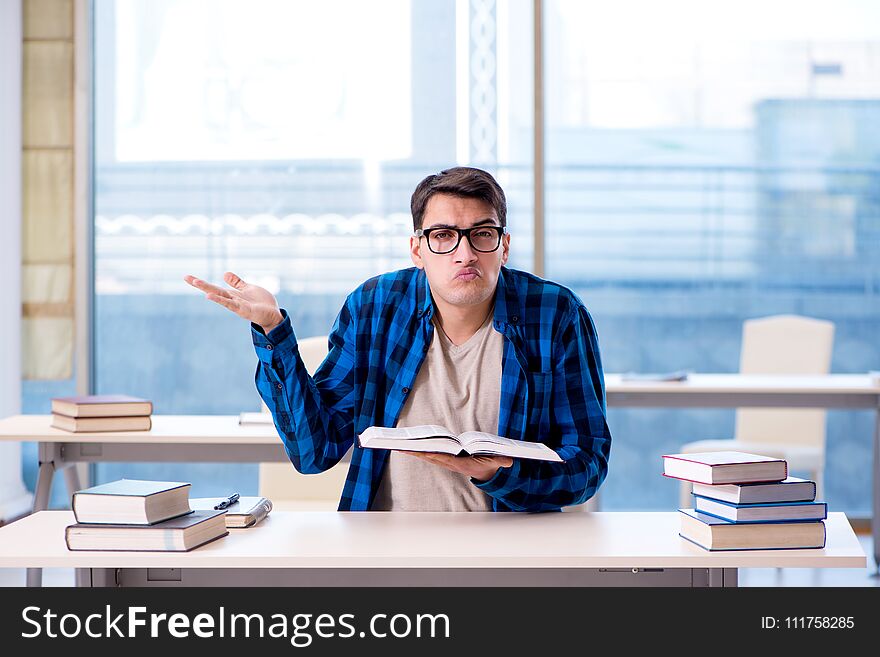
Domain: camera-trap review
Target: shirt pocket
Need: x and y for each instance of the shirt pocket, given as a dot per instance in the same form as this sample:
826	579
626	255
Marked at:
540	398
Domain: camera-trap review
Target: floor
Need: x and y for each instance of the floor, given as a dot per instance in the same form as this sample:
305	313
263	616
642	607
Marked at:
811	577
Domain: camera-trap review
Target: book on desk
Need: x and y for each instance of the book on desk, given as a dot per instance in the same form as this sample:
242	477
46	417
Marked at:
790	489
88	413
647	377
724	467
180	534
255	417
720	520
772	511
712	533
131	502
245	512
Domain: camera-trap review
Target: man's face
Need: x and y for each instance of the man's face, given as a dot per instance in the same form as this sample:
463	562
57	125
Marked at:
464	277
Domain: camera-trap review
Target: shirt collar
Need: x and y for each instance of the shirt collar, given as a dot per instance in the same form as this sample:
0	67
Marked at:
508	304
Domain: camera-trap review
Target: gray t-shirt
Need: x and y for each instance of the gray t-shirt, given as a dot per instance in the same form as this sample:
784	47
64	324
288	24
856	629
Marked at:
457	387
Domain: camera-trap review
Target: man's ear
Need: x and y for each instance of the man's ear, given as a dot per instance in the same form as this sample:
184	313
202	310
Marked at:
505	248
415	251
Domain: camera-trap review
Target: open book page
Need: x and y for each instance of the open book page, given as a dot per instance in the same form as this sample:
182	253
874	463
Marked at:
469	437
406	433
477	442
433	438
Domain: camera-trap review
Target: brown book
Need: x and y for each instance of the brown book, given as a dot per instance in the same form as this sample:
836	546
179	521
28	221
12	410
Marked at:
712	533
88	424
101	406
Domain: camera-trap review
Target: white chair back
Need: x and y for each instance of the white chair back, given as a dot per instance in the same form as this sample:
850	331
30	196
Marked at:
280	482
784	344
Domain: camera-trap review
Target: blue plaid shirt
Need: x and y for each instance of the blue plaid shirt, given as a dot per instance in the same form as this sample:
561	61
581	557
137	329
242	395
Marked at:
552	387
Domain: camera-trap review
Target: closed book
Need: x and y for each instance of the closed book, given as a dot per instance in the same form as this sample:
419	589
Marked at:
790	489
101	406
780	512
175	535
98	424
724	467
713	533
245	512
132	502
255	418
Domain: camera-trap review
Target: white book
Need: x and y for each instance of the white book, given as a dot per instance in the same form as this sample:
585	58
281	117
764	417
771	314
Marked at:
434	438
255	417
761	512
724	467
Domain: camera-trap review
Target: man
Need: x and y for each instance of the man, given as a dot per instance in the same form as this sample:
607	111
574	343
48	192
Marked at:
459	340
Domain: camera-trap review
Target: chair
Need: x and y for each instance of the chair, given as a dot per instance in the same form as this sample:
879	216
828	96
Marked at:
781	344
290	490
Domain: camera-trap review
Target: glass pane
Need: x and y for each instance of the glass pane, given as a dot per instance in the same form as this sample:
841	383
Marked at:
704	171
274	140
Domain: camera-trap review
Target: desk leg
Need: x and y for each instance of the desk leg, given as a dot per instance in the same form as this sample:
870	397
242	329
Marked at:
875	479
45	476
71	476
41	500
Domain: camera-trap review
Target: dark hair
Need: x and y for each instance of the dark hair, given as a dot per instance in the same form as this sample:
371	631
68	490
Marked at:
465	182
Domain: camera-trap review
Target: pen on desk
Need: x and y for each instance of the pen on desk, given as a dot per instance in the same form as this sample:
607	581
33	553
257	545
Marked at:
229	501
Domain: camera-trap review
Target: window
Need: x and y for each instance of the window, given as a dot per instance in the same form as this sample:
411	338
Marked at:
280	140
705	171
698	172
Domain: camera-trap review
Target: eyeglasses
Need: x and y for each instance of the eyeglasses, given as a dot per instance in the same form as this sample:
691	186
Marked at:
484	239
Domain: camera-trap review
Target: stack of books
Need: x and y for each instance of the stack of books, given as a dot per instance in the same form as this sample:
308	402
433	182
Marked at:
137	515
90	413
747	501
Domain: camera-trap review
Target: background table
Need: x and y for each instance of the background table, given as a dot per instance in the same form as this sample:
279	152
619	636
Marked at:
172	438
426	549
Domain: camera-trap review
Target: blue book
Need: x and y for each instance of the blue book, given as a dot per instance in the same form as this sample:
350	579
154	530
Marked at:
712	533
790	489
775	512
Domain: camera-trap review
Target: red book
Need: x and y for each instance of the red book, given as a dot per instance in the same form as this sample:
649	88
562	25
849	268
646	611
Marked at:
101	406
724	467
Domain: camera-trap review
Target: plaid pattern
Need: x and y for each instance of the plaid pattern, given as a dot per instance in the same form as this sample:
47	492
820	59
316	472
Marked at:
552	387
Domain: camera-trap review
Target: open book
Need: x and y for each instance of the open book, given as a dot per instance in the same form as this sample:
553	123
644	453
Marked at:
433	438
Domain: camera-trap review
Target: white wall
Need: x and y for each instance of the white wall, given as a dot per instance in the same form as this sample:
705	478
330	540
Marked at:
14	498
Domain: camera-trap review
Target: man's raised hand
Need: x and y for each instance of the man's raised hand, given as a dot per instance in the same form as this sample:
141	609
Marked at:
251	302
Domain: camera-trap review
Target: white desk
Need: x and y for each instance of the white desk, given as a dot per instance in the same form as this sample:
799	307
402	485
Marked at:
833	391
426	549
215	438
172	438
